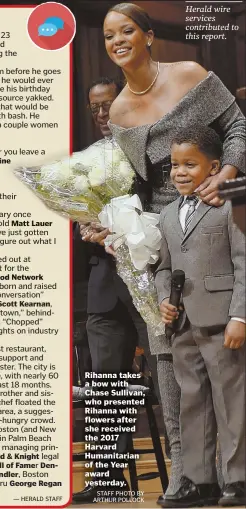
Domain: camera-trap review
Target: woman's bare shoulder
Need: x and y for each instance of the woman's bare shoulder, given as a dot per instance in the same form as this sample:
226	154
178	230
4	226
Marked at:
119	107
188	72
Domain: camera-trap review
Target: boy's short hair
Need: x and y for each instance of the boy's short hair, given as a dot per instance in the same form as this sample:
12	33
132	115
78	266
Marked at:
206	139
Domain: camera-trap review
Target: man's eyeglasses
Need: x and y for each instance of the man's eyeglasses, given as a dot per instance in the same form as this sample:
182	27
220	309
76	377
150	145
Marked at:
95	107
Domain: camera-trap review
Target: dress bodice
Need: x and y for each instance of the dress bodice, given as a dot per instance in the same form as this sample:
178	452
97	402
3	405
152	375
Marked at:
148	146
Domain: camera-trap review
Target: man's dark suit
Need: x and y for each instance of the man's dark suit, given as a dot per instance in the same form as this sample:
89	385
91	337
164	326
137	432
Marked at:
112	335
82	357
105	286
114	326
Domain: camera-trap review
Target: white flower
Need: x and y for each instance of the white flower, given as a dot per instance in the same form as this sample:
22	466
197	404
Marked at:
75	158
59	172
80	184
112	155
125	168
97	175
88	157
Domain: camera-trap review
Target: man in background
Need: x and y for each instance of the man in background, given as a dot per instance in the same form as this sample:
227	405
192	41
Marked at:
101	95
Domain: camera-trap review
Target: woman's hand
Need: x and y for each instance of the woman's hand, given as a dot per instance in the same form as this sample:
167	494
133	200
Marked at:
208	190
110	251
94	233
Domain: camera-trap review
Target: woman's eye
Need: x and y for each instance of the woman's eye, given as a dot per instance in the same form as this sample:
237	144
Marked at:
190	165
108	37
128	31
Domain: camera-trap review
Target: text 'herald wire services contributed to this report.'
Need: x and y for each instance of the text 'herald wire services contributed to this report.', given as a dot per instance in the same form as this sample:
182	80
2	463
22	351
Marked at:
34	271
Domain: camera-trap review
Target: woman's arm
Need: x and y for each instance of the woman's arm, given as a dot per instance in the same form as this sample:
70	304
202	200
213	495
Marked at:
231	126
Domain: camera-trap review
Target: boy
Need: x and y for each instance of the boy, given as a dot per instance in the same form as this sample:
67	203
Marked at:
208	348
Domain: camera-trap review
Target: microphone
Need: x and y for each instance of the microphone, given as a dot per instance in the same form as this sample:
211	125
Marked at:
177	285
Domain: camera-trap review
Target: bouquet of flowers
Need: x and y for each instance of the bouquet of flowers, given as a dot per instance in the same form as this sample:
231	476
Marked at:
87	186
80	185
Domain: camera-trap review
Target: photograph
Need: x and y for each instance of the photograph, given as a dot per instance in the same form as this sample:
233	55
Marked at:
190	77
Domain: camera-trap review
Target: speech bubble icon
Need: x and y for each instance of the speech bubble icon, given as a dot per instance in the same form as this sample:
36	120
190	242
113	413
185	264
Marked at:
55	20
47	29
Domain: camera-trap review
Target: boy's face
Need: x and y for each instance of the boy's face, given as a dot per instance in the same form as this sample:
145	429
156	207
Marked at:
190	167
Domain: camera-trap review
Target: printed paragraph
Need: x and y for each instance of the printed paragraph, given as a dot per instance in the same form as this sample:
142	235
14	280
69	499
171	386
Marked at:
205	22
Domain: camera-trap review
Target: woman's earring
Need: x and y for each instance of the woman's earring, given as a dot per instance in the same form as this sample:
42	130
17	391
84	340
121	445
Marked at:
149	43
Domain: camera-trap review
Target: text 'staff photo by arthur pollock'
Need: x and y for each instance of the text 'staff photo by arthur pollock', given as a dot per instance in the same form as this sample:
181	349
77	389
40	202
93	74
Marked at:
122	254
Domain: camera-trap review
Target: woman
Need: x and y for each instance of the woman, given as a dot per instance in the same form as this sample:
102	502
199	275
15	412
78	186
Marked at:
157	99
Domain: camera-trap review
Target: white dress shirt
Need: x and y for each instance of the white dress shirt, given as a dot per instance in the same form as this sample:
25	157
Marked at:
184	209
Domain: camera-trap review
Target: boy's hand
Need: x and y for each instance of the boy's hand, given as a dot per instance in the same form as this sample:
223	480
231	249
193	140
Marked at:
169	313
235	334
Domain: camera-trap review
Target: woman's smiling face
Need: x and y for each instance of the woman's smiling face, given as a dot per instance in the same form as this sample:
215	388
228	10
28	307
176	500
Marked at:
125	41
